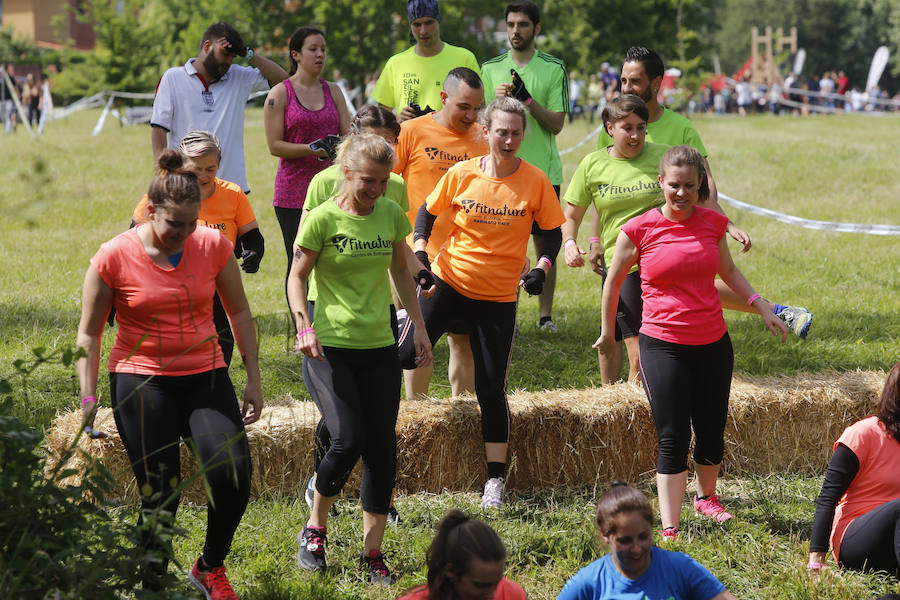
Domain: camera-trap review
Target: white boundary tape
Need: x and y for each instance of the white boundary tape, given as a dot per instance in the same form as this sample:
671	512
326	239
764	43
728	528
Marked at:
587	138
811	224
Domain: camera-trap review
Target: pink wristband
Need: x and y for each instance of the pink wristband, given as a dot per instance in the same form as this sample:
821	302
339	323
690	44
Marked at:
753	299
814	565
529	101
544	259
308	330
595	240
88	400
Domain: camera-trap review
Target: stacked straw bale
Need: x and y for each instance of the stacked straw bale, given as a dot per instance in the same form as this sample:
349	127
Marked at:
559	438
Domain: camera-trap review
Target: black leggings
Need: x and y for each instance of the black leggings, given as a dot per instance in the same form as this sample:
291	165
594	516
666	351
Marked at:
289	221
872	541
492	326
153	413
358	394
322	439
687	386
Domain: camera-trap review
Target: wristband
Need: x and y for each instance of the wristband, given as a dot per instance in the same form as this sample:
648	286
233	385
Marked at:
249	54
544	259
595	240
529	101
814	565
569	241
753	299
306	331
88	400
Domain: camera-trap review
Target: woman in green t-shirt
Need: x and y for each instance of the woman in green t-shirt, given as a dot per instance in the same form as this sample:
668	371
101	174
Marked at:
350	362
621	181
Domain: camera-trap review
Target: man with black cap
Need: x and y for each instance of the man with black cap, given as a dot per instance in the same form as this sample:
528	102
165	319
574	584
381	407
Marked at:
208	93
411	81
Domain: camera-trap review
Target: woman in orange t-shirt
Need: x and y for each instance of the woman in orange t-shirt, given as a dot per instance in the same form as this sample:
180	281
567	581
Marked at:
466	561
859	505
493	201
224	207
168	379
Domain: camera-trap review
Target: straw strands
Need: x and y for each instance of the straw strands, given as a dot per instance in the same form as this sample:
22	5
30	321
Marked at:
559	438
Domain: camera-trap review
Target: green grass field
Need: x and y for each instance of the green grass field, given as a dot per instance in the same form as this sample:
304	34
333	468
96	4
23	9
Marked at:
67	192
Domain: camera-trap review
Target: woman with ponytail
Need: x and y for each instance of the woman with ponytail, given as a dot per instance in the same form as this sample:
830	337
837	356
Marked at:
168	378
466	561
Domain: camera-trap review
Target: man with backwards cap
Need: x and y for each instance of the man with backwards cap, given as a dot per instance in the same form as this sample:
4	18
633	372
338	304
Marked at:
411	81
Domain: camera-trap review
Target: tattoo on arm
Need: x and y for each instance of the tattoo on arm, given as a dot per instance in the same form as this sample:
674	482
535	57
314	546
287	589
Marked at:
298	254
271	103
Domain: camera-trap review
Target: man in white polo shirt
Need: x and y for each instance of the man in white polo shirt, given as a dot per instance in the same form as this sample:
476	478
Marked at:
209	93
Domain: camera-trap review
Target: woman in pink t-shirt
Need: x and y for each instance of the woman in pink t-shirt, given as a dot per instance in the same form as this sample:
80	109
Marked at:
686	354
859	505
466	561
168	379
303	117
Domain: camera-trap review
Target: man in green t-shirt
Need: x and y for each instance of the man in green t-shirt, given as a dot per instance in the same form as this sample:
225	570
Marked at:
416	75
540	82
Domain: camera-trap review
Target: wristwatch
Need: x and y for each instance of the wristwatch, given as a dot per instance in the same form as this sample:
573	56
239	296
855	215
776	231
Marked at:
249	54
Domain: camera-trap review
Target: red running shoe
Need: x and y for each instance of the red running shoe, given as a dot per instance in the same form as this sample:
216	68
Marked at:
712	508
214	584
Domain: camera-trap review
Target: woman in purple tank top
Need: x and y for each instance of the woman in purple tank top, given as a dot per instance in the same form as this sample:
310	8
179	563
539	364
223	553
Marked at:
302	110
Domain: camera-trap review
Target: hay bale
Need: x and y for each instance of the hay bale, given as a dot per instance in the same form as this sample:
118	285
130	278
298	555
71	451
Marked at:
559	438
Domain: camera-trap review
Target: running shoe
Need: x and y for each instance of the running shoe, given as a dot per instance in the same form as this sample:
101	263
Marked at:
712	508
311	549
493	493
669	534
548	326
378	571
393	517
213	584
310	494
798	319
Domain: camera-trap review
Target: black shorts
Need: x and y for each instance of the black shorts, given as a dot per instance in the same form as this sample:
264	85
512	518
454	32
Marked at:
631	305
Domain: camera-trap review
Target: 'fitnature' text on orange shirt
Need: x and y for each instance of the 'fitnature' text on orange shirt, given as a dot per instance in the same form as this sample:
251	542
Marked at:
490	226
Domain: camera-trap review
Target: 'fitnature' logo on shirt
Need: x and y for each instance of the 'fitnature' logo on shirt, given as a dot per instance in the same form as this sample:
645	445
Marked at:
480	208
438	154
353	245
606	189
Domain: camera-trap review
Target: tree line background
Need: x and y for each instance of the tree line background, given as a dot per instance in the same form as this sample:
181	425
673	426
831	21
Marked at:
138	39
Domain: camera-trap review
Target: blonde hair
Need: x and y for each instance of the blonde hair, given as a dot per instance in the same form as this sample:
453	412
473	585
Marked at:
200	143
354	149
506	104
684	155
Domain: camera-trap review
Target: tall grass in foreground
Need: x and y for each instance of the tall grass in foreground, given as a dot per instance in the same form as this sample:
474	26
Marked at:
68	192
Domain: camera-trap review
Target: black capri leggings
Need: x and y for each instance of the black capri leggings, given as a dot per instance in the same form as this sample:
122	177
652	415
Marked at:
358	394
687	386
153	413
629	308
289	221
492	328
872	541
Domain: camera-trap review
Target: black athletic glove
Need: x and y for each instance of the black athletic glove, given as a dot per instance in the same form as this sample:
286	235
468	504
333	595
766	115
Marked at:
425	279
423	258
250	261
518	91
533	282
419	111
328	144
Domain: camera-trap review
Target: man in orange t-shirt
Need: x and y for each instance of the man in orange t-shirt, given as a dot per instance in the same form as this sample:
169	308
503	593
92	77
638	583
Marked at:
428	146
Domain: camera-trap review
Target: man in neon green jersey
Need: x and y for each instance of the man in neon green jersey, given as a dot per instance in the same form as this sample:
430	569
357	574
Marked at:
541	82
416	75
